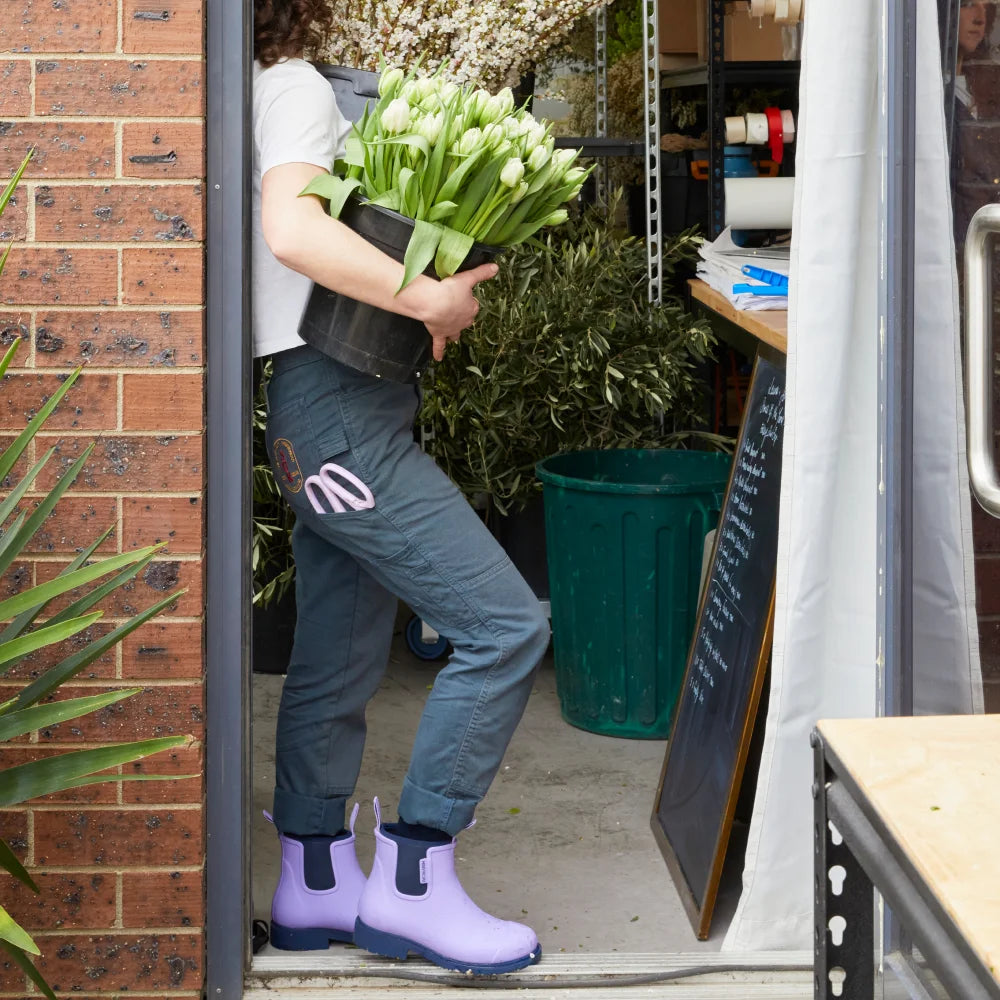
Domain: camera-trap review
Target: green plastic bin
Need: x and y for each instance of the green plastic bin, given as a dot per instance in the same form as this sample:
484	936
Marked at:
625	535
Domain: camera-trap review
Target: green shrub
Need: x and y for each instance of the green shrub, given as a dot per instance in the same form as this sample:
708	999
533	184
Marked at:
565	354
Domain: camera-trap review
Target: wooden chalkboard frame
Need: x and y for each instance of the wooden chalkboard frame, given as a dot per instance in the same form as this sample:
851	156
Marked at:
700	915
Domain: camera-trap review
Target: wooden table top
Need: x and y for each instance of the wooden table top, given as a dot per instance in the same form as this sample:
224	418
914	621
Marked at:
933	781
767	325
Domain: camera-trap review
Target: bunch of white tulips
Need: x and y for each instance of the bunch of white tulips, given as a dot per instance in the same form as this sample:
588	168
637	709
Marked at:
468	166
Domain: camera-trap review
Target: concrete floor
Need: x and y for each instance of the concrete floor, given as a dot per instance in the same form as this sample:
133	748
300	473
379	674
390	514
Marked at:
562	841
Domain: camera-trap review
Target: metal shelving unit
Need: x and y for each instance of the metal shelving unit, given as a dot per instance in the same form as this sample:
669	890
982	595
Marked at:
718	75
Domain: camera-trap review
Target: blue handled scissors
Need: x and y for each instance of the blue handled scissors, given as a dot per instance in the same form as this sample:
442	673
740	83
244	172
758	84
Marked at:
334	493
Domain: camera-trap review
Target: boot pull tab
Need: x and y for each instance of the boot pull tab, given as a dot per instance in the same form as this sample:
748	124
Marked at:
378	814
354	815
268	816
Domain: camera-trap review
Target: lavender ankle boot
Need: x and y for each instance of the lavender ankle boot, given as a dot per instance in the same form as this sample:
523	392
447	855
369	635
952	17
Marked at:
413	901
308	918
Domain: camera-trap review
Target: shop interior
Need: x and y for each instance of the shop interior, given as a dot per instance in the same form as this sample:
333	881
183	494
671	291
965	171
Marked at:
590	871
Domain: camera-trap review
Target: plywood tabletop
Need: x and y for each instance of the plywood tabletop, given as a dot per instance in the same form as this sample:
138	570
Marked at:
933	780
767	325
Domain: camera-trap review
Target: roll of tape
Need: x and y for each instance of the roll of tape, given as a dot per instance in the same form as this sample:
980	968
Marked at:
775	134
756	129
788	125
759	202
761	8
736	131
781	12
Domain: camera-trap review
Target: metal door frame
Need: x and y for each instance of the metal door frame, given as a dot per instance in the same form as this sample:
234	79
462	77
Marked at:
229	53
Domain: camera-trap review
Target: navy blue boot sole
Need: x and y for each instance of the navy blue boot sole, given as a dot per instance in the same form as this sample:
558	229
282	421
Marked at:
393	946
307	938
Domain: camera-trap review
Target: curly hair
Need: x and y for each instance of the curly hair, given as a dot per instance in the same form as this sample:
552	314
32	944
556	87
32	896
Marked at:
289	28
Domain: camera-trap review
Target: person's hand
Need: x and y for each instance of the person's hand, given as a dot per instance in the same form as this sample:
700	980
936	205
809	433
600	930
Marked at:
454	307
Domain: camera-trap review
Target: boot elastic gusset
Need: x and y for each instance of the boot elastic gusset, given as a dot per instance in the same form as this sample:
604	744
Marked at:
393	946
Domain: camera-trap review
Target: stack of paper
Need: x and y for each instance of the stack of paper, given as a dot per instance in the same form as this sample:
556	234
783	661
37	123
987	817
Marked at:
721	267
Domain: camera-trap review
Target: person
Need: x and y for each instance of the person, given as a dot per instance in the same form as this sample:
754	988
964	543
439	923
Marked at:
417	540
973	156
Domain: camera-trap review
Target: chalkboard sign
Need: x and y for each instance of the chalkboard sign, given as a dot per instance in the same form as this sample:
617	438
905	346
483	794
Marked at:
714	718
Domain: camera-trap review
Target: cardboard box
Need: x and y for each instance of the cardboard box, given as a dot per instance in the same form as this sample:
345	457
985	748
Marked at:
678	25
751	38
747	39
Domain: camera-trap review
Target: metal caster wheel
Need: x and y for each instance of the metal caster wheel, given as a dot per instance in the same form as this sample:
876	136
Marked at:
436	650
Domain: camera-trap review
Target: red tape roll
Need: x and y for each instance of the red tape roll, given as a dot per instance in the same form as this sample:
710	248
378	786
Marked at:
775	134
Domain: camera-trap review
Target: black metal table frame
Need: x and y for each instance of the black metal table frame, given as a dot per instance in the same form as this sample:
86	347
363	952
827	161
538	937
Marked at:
873	859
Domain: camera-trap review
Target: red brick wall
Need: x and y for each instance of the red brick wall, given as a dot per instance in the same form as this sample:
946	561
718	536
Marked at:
107	272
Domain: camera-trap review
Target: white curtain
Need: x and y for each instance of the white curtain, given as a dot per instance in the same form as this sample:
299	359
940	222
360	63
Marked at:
824	662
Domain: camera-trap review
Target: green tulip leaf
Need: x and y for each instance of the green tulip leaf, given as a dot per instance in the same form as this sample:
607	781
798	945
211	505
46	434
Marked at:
354	150
333	189
409	189
420	250
389	199
441	211
451	252
475	196
451	187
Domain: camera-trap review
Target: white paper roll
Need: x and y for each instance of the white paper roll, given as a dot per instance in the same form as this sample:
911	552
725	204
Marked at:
759	202
757	130
736	131
761	8
788	125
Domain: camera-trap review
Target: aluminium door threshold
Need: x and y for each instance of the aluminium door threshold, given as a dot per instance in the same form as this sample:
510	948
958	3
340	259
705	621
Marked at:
784	975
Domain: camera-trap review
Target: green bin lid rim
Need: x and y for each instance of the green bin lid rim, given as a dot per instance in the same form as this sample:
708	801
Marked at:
713	480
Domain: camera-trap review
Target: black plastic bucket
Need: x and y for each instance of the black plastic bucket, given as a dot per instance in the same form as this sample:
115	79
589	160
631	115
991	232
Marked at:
365	337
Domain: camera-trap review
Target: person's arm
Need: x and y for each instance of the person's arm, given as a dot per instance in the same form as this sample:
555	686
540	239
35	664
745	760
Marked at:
303	237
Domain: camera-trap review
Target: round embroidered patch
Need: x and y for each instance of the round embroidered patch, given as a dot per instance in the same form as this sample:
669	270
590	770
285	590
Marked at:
287	465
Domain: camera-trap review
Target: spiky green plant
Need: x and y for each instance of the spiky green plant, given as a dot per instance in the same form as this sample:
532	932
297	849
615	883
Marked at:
20	636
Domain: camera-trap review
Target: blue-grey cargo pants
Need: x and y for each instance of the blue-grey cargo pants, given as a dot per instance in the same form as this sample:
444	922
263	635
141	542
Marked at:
419	541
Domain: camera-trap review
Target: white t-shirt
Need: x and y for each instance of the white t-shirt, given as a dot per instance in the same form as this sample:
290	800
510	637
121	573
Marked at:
295	120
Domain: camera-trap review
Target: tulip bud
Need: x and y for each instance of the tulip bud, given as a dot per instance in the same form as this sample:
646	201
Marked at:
390	81
409	92
512	173
476	104
430	127
499	106
562	158
574	176
494	134
519	192
538	158
470	141
559	216
446	90
396	117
